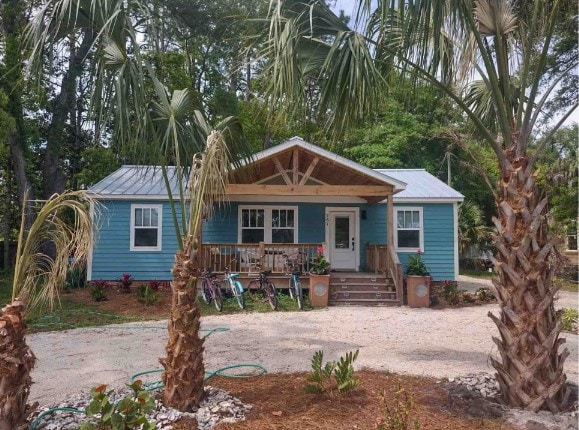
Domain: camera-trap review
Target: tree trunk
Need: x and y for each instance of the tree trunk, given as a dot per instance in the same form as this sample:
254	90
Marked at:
184	371
16	362
53	178
530	372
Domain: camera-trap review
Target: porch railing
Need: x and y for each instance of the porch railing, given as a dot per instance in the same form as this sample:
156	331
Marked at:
383	258
249	258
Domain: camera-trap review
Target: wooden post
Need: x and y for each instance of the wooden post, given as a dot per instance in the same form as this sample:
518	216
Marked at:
262	255
390	221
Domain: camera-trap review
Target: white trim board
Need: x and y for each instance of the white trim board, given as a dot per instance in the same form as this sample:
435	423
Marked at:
132	226
455	221
267	227
92	243
419	209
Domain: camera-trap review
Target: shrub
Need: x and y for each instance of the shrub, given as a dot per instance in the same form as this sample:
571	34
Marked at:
75	278
397	415
484	294
450	292
126	282
320	265
146	295
322	378
467	297
155	285
569	318
98	291
129	413
416	267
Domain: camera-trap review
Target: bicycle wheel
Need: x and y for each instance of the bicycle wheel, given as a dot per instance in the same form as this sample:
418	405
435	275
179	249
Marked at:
271	295
299	295
291	288
252	290
205	291
238	292
217	298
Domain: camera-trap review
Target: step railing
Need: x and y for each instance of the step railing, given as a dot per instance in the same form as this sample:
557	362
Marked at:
250	258
384	259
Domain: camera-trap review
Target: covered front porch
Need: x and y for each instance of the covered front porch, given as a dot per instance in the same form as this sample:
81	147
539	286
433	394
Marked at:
295	198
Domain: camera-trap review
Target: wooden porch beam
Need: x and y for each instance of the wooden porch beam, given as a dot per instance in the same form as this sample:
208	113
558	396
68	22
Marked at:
390	221
282	171
311	168
310	190
295	166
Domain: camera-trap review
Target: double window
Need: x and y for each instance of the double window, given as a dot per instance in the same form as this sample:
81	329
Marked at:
409	229
276	224
146	222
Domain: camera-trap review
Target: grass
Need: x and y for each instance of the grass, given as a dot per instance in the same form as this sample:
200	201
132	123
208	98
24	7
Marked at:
284	304
566	285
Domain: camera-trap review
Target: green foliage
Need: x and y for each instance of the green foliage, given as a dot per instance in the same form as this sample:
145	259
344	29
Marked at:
569	318
130	413
146	295
98	162
468	297
76	278
416	267
450	292
484	294
471	227
98	291
326	378
397	412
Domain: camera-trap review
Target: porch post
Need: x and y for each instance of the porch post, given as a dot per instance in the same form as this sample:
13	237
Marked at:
390	221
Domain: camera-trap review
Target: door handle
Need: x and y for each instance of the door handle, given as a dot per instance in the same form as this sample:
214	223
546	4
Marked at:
353	243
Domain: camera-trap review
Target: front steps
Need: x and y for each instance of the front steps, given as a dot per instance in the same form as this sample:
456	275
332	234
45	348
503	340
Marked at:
361	289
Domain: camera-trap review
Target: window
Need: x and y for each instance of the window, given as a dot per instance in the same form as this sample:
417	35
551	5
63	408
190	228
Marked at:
572	236
267	224
409	230
146	222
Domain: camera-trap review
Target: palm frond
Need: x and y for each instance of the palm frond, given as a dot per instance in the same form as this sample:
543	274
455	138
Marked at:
64	222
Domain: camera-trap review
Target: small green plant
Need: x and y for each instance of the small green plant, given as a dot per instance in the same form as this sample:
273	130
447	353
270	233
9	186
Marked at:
146	295
320	265
128	414
416	267
484	294
397	413
156	285
75	278
98	291
468	297
450	292
569	318
332	376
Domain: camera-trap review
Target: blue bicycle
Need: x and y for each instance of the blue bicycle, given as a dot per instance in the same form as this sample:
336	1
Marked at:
294	265
235	286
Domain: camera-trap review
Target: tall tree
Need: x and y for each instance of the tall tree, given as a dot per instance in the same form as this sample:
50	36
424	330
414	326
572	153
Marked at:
446	44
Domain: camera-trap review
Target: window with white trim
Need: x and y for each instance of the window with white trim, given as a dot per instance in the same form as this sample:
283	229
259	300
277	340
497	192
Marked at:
409	233
146	227
275	224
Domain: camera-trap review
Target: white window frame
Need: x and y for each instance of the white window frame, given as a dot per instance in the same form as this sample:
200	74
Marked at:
420	230
159	227
266	220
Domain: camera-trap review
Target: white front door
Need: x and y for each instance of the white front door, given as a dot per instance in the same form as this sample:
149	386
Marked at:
342	239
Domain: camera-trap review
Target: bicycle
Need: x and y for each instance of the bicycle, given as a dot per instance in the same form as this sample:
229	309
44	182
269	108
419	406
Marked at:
210	290
294	265
263	287
235	286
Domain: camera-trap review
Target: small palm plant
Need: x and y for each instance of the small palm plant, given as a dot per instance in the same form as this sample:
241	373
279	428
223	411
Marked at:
38	278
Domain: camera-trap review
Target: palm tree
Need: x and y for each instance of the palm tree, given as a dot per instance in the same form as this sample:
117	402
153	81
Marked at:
451	44
38	279
471	228
153	125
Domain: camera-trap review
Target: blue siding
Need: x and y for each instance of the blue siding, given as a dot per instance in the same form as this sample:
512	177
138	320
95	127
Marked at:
112	257
111	254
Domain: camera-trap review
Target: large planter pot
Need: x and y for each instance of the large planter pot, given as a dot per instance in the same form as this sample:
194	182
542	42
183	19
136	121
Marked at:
319	290
418	288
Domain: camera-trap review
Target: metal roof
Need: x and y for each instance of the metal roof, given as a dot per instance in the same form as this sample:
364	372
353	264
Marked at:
136	181
422	186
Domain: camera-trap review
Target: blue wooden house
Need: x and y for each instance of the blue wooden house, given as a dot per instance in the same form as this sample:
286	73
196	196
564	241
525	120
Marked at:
284	204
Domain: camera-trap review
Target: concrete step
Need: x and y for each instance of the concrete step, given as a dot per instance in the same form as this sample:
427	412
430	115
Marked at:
367	280
363	302
360	287
362	295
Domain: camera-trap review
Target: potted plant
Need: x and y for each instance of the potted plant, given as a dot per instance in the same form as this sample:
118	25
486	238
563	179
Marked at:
319	279
418	282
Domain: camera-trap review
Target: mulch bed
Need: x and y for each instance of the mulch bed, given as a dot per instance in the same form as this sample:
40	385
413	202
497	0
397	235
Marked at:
280	402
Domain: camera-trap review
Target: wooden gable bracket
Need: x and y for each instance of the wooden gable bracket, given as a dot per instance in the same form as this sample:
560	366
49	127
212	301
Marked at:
281	170
295	169
311	168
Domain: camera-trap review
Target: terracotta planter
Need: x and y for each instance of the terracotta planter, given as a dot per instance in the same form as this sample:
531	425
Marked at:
319	290
418	291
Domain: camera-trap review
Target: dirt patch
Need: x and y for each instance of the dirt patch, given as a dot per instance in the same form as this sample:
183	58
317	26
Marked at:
280	402
126	304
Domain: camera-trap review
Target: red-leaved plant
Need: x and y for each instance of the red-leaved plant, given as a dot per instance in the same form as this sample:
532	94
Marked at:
126	282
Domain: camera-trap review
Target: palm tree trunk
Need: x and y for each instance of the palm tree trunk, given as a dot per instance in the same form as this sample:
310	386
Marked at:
16	362
184	371
530	372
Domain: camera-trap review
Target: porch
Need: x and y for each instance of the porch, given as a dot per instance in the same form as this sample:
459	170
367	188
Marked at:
378	283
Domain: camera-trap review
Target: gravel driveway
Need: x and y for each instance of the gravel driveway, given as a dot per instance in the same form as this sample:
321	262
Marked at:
428	342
